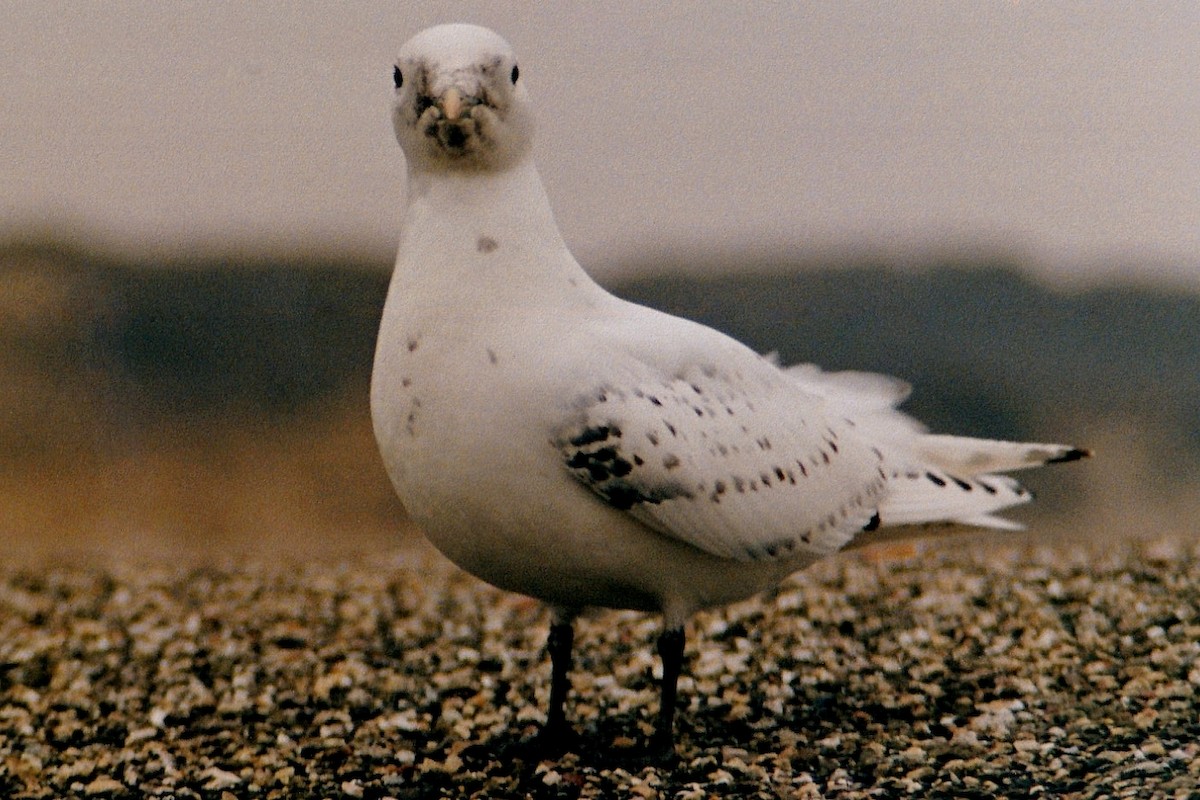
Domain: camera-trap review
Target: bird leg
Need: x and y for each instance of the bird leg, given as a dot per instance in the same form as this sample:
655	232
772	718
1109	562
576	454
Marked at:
670	649
562	638
556	736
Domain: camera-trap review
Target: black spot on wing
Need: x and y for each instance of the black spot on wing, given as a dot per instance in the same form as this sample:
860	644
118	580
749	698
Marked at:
624	495
599	459
410	420
946	479
594	434
600	464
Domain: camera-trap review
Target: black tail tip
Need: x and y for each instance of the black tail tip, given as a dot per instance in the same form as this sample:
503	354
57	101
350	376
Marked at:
1074	454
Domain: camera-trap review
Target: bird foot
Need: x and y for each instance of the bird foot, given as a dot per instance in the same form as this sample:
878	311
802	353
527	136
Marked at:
549	743
552	743
658	751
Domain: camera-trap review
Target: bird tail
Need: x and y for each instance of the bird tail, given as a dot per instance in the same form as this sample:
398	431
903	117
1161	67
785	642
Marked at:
968	457
957	486
938	484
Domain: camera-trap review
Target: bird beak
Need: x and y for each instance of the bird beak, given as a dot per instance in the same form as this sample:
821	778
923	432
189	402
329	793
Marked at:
452	104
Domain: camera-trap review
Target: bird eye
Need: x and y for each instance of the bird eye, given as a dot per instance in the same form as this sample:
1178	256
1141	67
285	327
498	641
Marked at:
516	73
397	77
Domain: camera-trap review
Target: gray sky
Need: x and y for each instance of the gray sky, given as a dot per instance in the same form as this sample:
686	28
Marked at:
1067	133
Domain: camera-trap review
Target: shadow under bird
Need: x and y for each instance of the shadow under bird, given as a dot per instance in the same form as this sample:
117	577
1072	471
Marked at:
559	442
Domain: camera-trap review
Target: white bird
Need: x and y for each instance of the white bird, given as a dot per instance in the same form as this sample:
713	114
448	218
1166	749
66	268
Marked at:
562	443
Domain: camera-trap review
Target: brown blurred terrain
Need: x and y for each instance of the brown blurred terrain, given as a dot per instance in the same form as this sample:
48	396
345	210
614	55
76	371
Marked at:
203	409
218	407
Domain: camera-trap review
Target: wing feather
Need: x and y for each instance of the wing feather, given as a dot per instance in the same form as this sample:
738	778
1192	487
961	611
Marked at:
745	470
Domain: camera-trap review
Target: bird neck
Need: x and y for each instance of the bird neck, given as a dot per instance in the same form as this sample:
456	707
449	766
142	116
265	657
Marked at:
483	232
507	207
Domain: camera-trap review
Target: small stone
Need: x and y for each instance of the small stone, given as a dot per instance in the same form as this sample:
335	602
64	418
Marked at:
1153	748
1145	719
219	779
720	778
643	790
140	735
103	785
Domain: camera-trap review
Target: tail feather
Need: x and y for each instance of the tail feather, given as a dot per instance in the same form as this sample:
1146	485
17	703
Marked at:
993	522
932	495
932	530
958	485
966	456
940	484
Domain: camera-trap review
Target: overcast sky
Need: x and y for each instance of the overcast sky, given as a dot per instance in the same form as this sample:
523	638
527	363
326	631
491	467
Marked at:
1067	133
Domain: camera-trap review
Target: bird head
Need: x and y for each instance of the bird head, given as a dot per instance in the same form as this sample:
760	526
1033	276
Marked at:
460	103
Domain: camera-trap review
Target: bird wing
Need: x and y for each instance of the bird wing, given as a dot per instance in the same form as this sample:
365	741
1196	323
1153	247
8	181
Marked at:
746	469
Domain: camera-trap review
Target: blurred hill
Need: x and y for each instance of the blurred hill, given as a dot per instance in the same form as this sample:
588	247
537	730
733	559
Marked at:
210	406
221	404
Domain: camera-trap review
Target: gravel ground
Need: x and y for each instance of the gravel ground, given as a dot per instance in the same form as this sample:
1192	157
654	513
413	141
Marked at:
1003	671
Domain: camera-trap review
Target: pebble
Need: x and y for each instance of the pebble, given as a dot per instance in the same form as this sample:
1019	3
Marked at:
998	671
102	786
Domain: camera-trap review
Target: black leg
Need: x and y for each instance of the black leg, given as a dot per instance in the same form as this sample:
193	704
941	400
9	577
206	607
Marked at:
556	736
670	649
562	638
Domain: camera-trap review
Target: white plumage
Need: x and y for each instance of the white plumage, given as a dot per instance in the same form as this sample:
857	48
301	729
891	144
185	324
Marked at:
557	441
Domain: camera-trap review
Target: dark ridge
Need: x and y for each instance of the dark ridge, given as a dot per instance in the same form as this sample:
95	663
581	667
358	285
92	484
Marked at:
990	351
